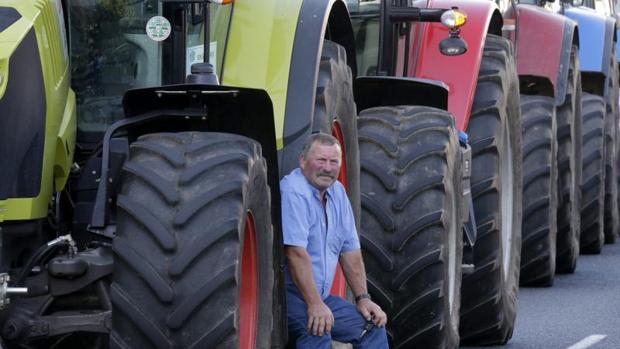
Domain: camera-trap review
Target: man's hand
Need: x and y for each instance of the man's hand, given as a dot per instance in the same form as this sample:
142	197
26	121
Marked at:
320	319
369	310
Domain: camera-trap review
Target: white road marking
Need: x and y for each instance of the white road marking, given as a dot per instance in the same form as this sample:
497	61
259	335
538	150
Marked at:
588	341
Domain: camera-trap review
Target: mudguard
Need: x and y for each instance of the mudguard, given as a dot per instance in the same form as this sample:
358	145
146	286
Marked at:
314	18
384	91
460	73
544	56
600	31
289	60
226	109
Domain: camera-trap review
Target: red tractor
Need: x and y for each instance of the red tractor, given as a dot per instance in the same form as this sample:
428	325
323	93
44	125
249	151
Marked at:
412	273
516	100
548	68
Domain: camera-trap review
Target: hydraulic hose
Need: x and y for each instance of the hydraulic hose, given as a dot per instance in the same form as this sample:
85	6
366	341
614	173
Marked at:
43	252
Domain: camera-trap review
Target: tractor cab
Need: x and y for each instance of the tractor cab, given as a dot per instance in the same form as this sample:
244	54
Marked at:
118	45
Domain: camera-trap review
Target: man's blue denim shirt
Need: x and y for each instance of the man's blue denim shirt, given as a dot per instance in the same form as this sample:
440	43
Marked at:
304	225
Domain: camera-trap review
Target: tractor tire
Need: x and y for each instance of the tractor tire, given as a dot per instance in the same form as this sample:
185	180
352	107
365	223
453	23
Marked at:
489	294
194	252
569	121
539	191
617	121
411	231
593	182
335	114
611	215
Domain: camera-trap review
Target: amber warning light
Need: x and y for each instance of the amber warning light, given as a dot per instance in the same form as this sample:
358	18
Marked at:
454	45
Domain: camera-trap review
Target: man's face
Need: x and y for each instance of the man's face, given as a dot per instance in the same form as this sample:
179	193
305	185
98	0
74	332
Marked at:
322	165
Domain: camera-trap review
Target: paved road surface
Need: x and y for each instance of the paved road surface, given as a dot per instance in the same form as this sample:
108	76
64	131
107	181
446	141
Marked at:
581	310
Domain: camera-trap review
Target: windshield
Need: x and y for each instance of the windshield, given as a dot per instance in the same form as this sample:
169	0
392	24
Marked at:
118	45
366	17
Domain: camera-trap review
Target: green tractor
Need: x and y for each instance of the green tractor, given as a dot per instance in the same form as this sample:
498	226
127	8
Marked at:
142	210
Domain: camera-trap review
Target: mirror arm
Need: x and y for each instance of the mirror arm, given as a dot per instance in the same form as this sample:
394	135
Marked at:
414	14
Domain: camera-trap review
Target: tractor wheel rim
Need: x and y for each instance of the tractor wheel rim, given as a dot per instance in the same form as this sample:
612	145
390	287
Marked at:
339	135
339	287
507	197
248	297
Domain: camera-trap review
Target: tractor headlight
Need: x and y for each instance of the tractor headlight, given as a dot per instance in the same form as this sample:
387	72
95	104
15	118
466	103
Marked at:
453	19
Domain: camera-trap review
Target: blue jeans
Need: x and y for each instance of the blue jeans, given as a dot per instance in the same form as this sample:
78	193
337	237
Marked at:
348	326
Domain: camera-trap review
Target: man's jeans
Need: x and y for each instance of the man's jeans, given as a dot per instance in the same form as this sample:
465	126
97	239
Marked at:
348	326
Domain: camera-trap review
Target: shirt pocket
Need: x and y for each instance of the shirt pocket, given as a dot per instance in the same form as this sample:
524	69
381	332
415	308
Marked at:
335	242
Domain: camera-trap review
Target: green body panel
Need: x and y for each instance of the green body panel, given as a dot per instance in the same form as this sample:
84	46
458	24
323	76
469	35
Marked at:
60	122
259	50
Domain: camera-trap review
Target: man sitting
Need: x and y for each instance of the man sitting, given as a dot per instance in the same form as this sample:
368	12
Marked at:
319	230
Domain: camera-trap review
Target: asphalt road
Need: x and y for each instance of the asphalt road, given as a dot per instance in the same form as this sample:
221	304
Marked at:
581	310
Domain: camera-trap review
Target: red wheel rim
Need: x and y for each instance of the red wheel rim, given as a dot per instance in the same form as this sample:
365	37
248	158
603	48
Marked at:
248	297
339	287
337	132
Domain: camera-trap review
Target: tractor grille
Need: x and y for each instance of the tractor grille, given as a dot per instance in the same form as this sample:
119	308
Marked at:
22	123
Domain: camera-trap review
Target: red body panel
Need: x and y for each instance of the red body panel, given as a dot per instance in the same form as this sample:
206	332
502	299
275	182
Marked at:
460	73
539	40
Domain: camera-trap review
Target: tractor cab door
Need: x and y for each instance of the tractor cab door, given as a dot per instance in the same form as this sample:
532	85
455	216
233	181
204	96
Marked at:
383	48
117	45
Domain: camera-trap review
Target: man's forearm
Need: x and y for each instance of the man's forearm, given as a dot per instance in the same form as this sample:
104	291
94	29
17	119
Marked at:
353	269
300	267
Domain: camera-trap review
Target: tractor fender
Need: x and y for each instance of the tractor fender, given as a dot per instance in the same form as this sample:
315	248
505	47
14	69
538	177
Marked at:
594	52
460	73
543	46
314	18
373	91
278	49
214	108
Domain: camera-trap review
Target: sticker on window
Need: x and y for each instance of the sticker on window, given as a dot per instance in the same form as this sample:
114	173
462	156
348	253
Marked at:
195	54
158	28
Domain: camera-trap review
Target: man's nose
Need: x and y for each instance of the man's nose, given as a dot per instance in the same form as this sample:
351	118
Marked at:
329	167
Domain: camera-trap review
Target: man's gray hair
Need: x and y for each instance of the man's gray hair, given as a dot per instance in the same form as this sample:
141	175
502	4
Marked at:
321	138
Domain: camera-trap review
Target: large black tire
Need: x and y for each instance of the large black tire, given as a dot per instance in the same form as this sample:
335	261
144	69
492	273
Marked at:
489	294
183	215
334	109
617	118
593	182
616	90
539	191
411	225
569	123
611	215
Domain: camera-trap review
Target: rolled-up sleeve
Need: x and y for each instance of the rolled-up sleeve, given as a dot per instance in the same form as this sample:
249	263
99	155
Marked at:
295	223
